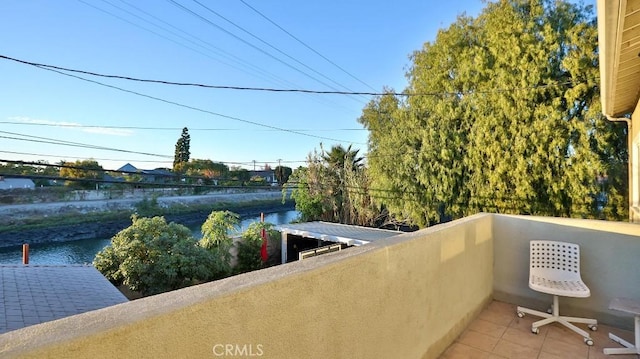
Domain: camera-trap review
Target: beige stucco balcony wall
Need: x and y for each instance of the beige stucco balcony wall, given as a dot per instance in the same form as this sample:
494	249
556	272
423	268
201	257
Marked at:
406	297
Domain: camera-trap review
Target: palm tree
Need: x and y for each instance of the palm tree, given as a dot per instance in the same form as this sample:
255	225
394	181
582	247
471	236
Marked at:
341	166
338	157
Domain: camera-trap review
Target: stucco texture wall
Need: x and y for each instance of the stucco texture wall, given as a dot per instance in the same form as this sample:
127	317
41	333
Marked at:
406	297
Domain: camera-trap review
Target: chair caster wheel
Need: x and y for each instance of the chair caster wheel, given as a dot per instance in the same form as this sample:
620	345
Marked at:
520	314
593	327
588	341
535	330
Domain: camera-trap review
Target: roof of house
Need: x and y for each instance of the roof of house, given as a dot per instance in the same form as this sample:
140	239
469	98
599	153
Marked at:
36	294
336	232
10	183
127	168
158	172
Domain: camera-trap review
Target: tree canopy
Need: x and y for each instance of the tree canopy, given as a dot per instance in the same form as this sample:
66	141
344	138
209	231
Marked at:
203	168
182	152
333	188
505	117
85	169
338	156
249	248
153	256
215	238
282	174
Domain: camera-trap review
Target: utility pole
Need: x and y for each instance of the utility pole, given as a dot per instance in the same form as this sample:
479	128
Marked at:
254	165
279	160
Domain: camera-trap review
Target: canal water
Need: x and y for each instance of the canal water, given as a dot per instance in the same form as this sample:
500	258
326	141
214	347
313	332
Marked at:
83	251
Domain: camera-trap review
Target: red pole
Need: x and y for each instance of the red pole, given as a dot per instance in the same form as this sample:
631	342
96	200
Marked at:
263	233
25	253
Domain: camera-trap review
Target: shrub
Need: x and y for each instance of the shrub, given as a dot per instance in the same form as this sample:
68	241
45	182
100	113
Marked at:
152	256
249	248
215	238
148	207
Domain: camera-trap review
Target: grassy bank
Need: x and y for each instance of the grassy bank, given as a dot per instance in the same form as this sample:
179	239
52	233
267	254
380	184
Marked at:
144	208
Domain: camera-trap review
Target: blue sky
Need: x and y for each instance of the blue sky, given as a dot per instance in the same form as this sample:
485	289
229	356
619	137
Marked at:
370	39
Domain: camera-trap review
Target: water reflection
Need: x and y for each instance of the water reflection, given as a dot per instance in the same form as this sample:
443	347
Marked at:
83	251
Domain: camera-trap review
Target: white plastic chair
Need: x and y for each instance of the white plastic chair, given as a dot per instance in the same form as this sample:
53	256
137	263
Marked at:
554	268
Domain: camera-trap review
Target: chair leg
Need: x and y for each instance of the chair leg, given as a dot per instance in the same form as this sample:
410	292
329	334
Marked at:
555	317
629	348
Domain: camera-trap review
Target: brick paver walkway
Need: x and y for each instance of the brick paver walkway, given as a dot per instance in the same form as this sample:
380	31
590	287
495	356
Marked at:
36	294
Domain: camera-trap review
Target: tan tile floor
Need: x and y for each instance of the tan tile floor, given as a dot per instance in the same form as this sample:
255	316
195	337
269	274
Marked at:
499	333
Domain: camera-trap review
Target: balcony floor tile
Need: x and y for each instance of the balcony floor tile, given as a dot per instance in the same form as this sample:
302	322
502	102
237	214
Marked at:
498	333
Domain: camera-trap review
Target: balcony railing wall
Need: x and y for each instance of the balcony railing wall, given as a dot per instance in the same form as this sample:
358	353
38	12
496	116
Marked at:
405	297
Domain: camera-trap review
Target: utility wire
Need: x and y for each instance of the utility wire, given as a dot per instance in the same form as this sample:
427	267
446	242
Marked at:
184	8
306	45
53	141
77	125
150	184
269	44
150	161
251	69
241	88
196	108
163	36
400	194
175	176
93	169
82	158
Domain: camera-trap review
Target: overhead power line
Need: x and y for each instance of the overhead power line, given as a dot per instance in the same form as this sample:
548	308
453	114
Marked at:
269	44
60	70
209	22
306	45
148	184
250	69
53	141
146	161
197	108
93	169
363	190
77	125
83	158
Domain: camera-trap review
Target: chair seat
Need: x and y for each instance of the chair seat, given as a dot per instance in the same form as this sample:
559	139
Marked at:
565	288
554	268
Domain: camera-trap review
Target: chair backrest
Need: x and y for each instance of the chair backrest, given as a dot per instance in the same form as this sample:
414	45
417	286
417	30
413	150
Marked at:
554	260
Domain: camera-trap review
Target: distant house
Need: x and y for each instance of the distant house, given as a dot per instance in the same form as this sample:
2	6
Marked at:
127	168
158	175
12	183
268	175
110	180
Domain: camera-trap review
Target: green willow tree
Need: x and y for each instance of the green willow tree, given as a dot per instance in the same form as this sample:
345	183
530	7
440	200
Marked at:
508	121
182	152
